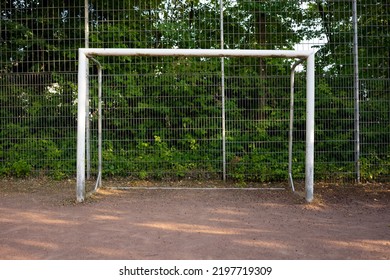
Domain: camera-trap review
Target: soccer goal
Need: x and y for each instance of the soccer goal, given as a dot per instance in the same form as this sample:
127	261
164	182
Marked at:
90	54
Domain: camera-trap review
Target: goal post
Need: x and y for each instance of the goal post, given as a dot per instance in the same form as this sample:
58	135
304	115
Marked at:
83	96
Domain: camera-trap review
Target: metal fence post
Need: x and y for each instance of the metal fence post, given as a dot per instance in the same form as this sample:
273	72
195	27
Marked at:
356	90
223	94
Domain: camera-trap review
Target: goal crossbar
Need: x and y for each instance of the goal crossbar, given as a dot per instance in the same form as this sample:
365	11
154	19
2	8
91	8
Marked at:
83	94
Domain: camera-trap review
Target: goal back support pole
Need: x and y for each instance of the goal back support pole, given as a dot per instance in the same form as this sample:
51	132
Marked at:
86	53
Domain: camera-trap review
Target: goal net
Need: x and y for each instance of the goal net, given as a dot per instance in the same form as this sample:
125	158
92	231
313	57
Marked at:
209	113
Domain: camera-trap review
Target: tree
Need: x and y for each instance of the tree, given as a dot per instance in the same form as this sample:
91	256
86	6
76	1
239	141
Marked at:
37	34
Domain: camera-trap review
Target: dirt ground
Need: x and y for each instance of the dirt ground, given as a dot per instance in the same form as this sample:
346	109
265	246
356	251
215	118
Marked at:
39	219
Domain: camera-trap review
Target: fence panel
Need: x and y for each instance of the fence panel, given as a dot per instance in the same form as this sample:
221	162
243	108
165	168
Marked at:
163	117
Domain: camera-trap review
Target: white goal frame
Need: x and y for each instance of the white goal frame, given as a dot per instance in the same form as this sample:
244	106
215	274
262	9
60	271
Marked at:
85	54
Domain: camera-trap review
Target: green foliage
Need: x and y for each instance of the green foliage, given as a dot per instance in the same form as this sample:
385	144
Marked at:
259	167
153	160
373	167
20	168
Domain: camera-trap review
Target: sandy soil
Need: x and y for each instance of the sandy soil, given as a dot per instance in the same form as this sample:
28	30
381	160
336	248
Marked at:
39	219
